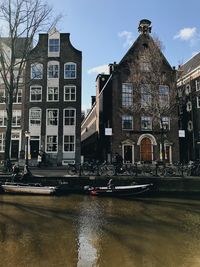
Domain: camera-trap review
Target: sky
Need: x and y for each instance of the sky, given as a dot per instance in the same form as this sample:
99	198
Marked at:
104	30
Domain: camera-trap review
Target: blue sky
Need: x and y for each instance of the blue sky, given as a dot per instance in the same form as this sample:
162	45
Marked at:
104	30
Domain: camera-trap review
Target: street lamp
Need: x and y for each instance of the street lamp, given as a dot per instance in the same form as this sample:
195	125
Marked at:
27	135
26	169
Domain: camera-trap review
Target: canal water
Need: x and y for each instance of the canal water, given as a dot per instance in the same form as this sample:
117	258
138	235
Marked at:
84	231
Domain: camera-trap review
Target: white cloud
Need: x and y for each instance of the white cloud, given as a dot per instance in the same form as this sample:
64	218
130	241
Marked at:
99	69
128	38
186	34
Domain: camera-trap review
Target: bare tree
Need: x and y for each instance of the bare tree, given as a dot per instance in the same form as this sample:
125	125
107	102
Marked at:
22	19
154	90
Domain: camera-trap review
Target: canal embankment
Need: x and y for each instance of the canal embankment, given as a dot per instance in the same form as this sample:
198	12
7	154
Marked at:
161	185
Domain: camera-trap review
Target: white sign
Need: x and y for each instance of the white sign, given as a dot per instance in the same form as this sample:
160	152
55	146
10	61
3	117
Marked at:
108	131
181	133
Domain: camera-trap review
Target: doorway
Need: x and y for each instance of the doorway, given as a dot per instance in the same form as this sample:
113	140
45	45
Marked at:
146	150
128	154
14	149
34	148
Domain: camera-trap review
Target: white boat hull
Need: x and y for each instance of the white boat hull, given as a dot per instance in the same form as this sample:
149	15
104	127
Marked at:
28	189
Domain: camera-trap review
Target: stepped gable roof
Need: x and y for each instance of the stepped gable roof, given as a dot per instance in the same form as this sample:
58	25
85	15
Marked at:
190	65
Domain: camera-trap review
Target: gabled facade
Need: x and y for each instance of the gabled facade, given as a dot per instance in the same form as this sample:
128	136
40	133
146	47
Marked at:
188	85
53	98
132	102
17	122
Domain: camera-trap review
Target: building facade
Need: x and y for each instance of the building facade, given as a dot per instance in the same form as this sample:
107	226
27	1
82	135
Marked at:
17	114
53	99
135	113
188	85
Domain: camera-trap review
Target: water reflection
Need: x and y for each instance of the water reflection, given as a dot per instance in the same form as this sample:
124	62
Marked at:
99	232
89	232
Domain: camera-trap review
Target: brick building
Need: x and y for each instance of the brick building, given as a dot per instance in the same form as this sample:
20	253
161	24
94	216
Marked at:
188	85
133	113
53	99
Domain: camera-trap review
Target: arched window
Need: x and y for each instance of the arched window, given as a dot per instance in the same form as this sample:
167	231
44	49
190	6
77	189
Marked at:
36	71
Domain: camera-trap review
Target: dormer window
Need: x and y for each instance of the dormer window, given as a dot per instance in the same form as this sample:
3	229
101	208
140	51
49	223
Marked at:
54	45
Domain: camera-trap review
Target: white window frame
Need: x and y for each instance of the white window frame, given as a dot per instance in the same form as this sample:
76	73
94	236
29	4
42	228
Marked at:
52	88
198	101
37	117
39	88
164	97
38	71
53	68
127	95
69	87
69	143
70	118
17	116
148	121
71	71
2	95
3	117
146	96
197	83
18	97
127	118
165	122
187	89
50	145
54	118
2	142
54	45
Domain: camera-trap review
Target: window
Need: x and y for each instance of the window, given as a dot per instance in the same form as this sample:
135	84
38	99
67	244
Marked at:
36	93
164	95
70	71
35	117
36	71
52	94
70	93
2	95
3	118
53	71
187	89
18	97
189	106
127	95
127	122
197	85
69	143
165	123
52	117
52	143
198	101
146	95
144	64
54	45
146	123
69	116
190	126
2	142
16	119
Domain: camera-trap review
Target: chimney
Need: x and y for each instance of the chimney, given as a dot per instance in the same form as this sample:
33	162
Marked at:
93	98
144	26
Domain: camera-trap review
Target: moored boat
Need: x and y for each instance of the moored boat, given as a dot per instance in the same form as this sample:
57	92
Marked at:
22	188
126	190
